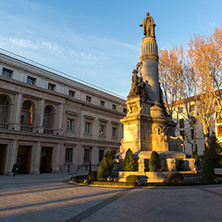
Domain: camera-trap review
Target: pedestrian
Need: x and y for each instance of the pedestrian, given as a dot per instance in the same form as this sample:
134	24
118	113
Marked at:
14	169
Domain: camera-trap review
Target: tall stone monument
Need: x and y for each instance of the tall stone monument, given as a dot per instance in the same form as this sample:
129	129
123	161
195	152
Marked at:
147	127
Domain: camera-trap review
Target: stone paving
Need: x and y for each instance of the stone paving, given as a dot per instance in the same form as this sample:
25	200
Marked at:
47	197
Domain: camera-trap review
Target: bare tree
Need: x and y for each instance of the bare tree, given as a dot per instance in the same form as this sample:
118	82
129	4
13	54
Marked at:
176	80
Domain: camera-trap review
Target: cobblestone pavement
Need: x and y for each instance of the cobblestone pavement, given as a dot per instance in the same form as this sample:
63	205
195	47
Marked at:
47	197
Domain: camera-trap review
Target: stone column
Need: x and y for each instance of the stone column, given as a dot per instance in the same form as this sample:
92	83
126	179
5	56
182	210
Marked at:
60	119
36	155
149	58
56	158
40	115
16	112
12	152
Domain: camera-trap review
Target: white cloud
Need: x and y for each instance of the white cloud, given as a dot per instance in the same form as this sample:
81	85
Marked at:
53	47
23	43
84	55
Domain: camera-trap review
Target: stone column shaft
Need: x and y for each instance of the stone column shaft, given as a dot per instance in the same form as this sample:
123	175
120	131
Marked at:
16	112
56	158
36	155
12	152
150	73
40	115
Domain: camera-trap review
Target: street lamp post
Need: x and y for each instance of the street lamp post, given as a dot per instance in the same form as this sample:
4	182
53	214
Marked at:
90	159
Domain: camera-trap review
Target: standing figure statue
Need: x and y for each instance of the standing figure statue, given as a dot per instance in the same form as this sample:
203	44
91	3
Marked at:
148	25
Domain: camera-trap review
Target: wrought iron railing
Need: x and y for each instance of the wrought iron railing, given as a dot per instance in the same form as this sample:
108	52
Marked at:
3	125
25	128
48	131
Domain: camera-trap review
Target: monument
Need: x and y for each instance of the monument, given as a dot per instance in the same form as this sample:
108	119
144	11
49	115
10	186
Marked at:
147	127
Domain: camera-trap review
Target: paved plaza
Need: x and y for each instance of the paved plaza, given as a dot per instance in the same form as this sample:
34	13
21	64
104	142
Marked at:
48	197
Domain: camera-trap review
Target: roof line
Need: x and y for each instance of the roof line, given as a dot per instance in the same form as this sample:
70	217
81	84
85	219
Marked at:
54	71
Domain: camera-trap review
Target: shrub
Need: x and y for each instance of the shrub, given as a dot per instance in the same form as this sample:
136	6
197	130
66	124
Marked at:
132	179
208	170
180	166
106	166
175	178
86	181
129	161
220	164
154	163
77	179
110	155
115	184
104	169
92	175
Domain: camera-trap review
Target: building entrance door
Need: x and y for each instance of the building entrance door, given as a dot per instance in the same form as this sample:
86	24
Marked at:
3	149
24	159
46	160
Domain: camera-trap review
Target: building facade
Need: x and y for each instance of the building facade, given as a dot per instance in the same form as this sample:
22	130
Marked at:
52	123
193	135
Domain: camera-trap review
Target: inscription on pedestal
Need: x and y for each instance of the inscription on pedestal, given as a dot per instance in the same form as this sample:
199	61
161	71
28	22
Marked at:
131	132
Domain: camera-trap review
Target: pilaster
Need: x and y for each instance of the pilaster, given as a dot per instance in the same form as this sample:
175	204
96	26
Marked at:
36	155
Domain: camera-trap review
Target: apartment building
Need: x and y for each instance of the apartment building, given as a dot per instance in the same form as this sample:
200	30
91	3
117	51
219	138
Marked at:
52	122
193	135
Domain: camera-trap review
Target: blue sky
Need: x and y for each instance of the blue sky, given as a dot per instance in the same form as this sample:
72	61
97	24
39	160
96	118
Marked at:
99	40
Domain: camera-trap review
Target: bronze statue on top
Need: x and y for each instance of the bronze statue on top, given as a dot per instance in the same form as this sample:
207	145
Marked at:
148	26
138	87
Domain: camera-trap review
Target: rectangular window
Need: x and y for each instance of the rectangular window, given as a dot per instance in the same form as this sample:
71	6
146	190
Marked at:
180	109
70	124
51	86
68	157
88	127
102	103
86	155
114	106
182	133
102	130
72	93
181	123
125	110
101	154
192	107
114	132
88	99
192	134
219	131
7	73
31	80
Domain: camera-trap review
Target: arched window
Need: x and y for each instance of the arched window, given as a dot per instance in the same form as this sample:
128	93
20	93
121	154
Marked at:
27	116
4	111
48	120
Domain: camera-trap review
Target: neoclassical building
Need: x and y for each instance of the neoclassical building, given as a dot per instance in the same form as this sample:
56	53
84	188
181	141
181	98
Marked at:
51	122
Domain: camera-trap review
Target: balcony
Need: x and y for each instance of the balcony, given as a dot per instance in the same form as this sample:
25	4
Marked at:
25	128
4	126
48	131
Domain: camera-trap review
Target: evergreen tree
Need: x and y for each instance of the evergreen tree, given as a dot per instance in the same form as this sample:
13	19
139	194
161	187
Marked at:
208	170
110	157
106	166
129	161
213	151
154	163
103	171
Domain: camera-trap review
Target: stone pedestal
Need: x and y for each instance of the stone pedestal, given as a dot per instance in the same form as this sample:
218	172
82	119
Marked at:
146	128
